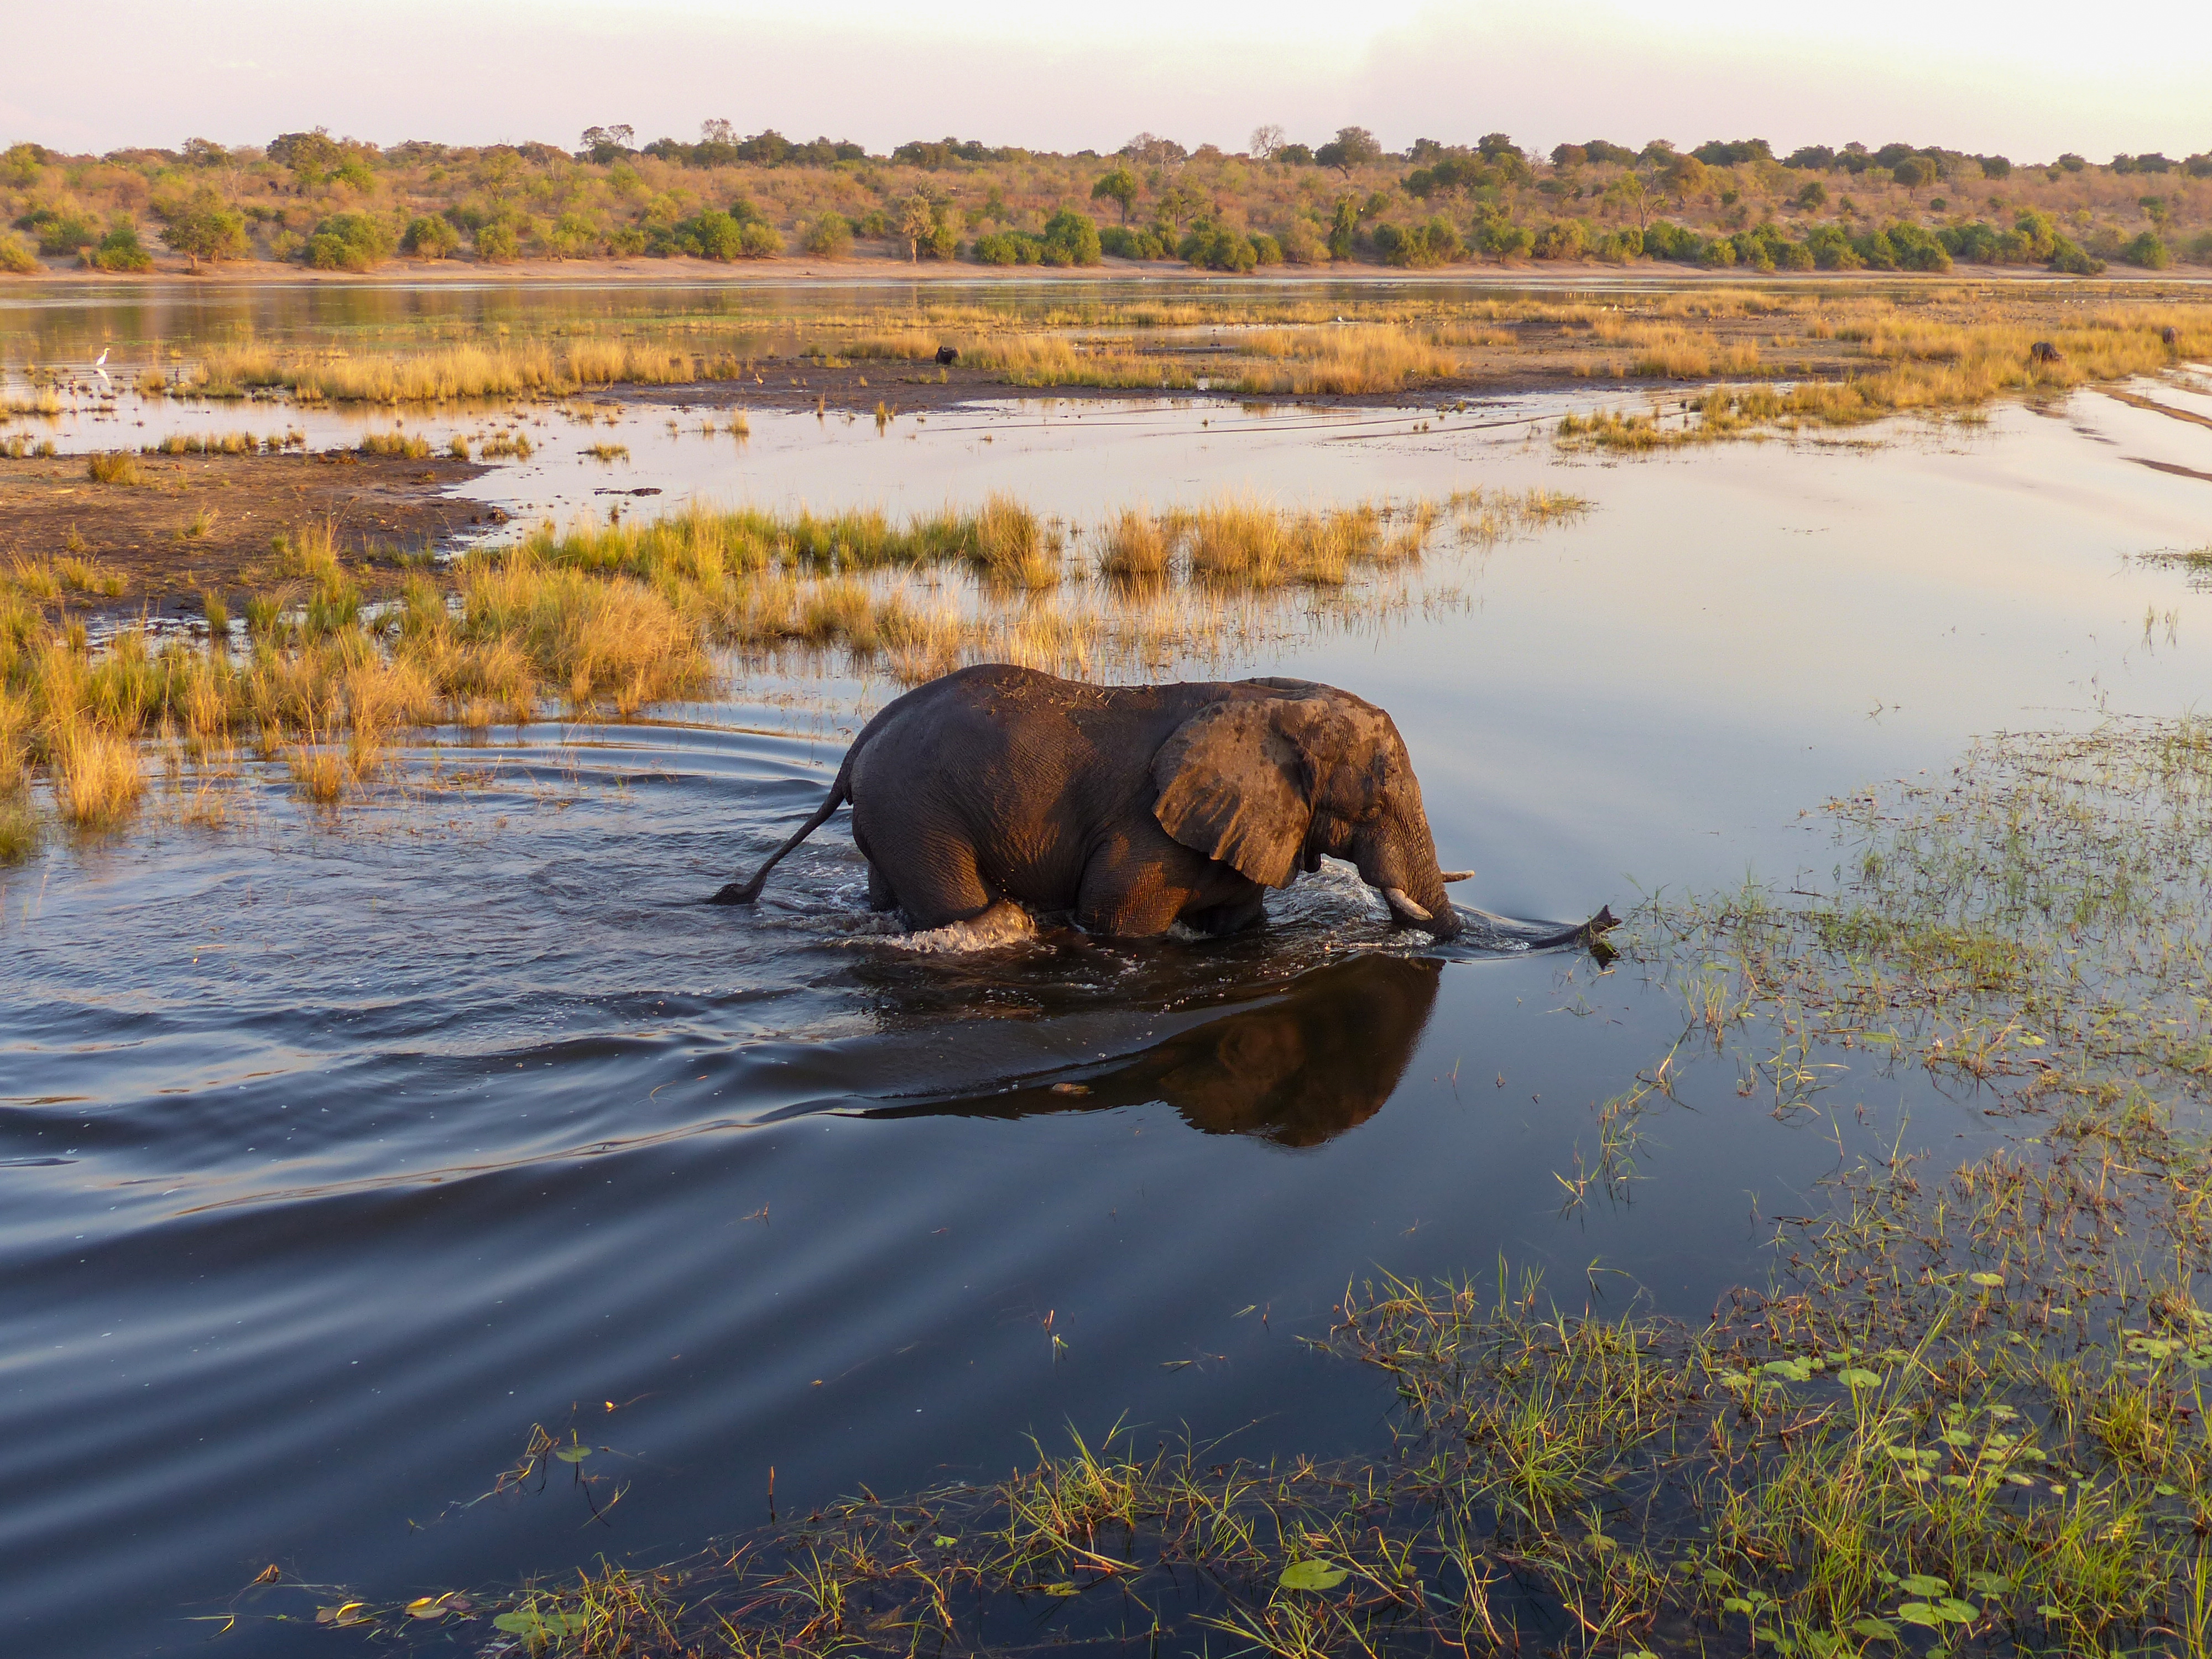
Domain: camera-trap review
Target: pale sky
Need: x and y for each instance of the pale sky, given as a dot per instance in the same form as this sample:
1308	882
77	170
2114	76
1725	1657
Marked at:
2028	79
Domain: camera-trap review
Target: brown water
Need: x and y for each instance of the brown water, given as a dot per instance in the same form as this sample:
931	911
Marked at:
338	1152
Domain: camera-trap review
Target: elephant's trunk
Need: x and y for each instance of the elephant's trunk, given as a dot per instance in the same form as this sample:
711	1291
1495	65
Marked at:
1401	863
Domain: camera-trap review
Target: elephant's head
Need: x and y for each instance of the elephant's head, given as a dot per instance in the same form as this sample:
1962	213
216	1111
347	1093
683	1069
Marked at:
1271	781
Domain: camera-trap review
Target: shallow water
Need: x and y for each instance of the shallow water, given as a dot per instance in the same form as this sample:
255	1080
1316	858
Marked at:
337	1153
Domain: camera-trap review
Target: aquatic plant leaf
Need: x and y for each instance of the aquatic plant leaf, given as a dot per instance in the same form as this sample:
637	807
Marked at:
427	1607
1874	1629
573	1454
1922	1585
519	1624
1313	1575
944	1543
1854	1376
1789	1370
1989	1583
1919	1613
1987	1281
1957	1611
1062	1587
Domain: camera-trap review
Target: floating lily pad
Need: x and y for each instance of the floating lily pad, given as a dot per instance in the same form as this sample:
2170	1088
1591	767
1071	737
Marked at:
573	1454
1313	1575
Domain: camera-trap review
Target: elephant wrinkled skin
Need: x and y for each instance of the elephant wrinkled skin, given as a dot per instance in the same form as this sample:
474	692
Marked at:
1132	807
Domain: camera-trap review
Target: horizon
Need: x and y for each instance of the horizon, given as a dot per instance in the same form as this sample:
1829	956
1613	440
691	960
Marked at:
242	72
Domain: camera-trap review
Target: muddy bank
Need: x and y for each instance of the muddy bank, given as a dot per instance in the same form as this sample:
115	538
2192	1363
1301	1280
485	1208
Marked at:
210	522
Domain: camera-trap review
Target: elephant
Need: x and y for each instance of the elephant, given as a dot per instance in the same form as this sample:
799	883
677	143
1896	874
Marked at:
1320	1057
2044	352
948	355
1134	808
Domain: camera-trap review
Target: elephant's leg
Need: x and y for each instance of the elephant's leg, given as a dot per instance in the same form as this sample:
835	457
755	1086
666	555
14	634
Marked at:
1127	900
934	879
880	897
1233	917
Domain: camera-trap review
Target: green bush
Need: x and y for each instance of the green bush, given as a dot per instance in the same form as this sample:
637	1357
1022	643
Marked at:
1562	239
2149	251
626	242
16	257
712	234
120	250
1619	246
348	241
1265	250
829	237
1007	247
60	231
1215	247
203	228
1423	245
430	236
572	236
757	240
2072	260
2200	250
1125	244
498	244
1070	239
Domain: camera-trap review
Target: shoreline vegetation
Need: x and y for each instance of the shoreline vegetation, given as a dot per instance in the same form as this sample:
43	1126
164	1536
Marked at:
311	202
619	616
1760	359
1965	1416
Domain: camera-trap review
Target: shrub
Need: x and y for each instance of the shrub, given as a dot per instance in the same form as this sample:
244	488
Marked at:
1302	244
1007	247
2200	250
1812	196
203	228
1619	246
626	242
1423	245
756	241
348	241
120	250
712	234
1265	250
430	236
1214	247
497	244
1125	244
829	237
2149	251
60	231
1564	238
16	258
2068	257
572	236
1070	239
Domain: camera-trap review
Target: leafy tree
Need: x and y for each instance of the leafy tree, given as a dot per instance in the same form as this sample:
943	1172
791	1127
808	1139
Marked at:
829	237
1994	167
119	250
1813	158
604	145
1630	193
1118	186
203	228
498	243
347	241
313	157
2071	162
1352	146
1912	171
430	236
1296	155
1813	197
1569	156
915	222
1687	176
1070	239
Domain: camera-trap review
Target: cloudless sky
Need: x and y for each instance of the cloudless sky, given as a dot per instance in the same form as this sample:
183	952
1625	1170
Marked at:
2028	79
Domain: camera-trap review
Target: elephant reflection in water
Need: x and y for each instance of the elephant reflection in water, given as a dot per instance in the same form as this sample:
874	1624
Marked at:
1321	1059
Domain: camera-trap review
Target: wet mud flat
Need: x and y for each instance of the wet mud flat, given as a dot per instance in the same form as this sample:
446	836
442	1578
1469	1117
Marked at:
194	524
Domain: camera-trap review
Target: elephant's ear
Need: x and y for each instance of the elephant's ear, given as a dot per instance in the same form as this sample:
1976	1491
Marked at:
1236	788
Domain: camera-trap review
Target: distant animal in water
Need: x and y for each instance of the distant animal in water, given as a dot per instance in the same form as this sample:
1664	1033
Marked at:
948	354
1133	807
2044	352
2170	334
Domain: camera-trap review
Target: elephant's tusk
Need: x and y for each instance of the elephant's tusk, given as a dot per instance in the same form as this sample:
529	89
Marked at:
1404	906
1459	875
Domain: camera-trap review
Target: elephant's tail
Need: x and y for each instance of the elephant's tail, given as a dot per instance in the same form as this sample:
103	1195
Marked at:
840	793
